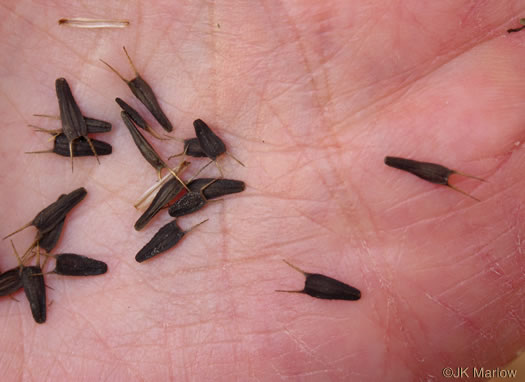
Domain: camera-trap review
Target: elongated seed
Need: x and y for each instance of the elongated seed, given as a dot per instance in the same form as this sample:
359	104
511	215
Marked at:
93	125
190	202
431	172
73	123
80	146
144	94
137	118
167	237
33	283
209	142
10	281
49	240
217	189
145	148
53	214
35	290
70	264
324	287
167	192
96	126
147	151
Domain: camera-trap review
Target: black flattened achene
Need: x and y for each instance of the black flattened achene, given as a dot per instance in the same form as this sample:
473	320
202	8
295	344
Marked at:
70	264
324	287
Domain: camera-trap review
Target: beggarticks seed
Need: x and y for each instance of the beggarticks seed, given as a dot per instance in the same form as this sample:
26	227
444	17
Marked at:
431	172
137	118
73	123
10	282
53	214
49	240
166	238
70	264
218	188
94	126
144	93
81	147
210	143
34	287
146	149
190	202
324	287
167	192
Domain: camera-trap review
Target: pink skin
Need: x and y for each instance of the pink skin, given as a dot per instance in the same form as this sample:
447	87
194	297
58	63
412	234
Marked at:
310	96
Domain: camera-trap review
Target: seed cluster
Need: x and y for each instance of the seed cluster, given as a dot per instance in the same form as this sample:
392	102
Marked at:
180	197
49	224
73	140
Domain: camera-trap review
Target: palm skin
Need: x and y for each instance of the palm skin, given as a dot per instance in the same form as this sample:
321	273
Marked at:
310	96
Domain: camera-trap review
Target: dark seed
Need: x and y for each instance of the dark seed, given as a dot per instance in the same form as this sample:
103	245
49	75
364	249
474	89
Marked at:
81	147
10	281
192	148
432	172
73	123
324	287
35	290
218	188
137	118
209	142
145	148
133	114
144	93
95	126
189	203
55	213
52	215
49	240
167	237
167	192
69	264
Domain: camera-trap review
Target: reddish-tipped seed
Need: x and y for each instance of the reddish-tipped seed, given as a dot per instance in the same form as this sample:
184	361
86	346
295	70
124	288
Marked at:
10	281
94	126
324	287
431	172
70	264
167	192
191	202
167	237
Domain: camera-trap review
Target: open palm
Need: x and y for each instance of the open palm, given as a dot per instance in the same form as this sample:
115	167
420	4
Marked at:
310	96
